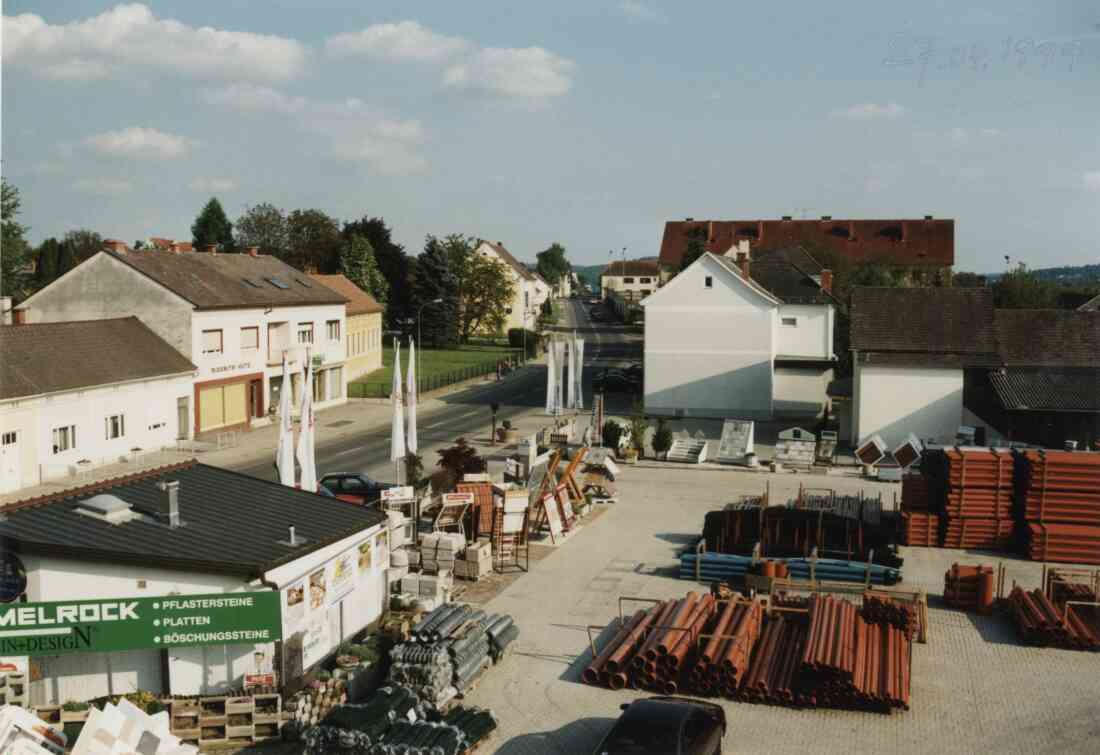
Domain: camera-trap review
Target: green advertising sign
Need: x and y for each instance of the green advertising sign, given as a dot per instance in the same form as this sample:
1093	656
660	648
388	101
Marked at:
98	626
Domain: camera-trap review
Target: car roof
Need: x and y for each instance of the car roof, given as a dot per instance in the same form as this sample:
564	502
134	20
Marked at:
666	711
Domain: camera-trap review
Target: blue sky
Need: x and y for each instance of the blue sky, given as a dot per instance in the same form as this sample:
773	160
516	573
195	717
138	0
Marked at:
588	123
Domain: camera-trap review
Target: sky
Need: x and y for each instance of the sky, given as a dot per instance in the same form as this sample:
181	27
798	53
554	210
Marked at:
586	123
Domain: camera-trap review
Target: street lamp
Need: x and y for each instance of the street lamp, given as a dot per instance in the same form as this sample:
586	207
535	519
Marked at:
420	312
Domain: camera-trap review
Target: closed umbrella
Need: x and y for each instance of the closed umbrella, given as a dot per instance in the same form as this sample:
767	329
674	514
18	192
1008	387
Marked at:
284	457
306	459
410	400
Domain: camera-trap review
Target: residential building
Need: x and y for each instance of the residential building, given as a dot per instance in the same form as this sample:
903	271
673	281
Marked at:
78	394
912	242
911	348
233	315
634	279
193	529
364	331
739	335
530	291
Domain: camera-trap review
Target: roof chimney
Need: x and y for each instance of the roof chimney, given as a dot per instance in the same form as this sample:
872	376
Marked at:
743	263
116	246
253	251
826	217
827	281
786	217
170	502
293	539
212	248
927	217
689	219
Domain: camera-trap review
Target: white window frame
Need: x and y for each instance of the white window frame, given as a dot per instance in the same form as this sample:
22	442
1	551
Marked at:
256	343
111	431
69	433
789	322
302	331
332	330
221	342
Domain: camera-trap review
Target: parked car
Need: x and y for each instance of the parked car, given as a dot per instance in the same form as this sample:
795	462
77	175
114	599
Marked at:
666	725
616	381
636	371
595	302
355	487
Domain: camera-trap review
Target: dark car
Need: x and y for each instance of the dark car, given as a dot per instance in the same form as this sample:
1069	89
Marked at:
635	371
666	726
354	487
616	381
595	314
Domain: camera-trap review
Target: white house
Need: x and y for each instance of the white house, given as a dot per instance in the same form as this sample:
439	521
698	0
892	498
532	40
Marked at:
212	531
634	279
233	315
530	290
738	338
78	394
911	349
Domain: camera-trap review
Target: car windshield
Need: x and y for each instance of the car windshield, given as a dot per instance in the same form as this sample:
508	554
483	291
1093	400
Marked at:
649	737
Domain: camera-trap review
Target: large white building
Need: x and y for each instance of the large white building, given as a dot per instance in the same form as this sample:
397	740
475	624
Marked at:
232	315
530	291
634	279
74	395
734	337
229	534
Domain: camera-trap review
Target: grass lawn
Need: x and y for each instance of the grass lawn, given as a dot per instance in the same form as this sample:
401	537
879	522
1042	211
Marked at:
434	367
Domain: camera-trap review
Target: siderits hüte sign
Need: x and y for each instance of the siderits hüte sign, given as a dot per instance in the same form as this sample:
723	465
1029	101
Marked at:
97	626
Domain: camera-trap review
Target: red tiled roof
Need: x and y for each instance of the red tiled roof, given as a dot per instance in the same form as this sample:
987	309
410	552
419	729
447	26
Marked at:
905	242
359	301
632	267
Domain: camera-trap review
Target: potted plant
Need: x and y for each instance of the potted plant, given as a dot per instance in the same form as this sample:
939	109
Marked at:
638	426
662	439
508	434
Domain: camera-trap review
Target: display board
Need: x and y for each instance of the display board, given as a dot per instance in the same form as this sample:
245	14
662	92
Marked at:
553	520
736	441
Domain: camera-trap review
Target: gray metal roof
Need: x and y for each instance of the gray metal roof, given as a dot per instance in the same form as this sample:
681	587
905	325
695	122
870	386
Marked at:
232	523
1047	389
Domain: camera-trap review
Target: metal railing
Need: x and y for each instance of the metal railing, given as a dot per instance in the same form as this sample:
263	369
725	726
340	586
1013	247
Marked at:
431	382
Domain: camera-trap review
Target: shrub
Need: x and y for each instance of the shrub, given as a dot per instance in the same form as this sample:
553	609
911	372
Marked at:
461	459
612	432
515	340
638	425
662	437
414	469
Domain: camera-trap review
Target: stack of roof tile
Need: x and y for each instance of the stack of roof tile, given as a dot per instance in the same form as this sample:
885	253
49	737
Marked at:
1058	504
481	512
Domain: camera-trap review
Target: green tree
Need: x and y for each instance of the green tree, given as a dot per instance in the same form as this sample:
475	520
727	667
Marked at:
553	264
314	243
968	280
662	437
397	267
13	245
264	226
80	245
212	227
48	255
696	246
483	287
436	280
1023	289
358	264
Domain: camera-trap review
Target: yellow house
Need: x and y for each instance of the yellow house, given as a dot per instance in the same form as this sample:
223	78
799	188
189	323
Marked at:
364	325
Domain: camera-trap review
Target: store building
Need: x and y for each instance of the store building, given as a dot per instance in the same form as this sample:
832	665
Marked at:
233	315
364	332
193	529
74	395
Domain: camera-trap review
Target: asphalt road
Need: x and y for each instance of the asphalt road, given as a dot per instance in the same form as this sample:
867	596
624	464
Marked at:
467	412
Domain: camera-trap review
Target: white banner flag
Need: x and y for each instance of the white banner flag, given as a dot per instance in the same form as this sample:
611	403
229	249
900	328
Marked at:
559	363
306	458
410	400
397	431
578	350
284	457
550	379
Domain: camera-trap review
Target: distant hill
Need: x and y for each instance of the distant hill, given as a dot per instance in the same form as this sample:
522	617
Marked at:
1067	275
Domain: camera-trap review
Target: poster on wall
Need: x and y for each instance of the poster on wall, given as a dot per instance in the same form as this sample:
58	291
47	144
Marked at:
315	640
295	603
381	555
344	572
366	550
317	590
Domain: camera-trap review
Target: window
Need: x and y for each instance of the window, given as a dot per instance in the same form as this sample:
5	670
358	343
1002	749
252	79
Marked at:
708	282
319	386
211	342
64	438
250	338
335	383
9	439
628	280
305	333
115	425
791	321
643	280
277	283
646	292
333	328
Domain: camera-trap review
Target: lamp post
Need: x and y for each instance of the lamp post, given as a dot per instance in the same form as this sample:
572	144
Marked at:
420	312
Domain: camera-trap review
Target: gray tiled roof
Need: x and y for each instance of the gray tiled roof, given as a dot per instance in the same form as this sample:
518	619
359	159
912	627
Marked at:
212	281
63	356
1047	388
1050	337
510	260
232	523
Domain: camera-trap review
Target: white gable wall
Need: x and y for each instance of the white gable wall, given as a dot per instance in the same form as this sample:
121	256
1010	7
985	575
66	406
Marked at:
895	401
811	335
709	352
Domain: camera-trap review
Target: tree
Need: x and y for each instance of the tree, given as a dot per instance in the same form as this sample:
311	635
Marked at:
436	280
358	264
638	426
552	264
13	247
80	244
314	242
265	226
483	287
662	437
1023	289
48	255
455	462
696	246
968	280
212	227
396	266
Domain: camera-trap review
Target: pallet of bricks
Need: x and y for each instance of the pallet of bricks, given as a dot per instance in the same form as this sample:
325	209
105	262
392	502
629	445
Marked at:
1058	505
811	652
227	720
973	489
476	560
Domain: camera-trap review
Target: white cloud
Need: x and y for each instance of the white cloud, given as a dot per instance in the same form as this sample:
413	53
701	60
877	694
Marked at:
353	129
870	111
131	37
637	10
140	142
529	72
1092	180
213	185
104	187
402	41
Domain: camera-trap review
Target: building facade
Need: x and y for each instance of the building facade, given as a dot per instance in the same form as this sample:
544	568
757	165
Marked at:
363	341
634	279
529	291
74	395
233	315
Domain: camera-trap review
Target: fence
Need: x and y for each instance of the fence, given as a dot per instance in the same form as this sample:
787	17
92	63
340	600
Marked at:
426	383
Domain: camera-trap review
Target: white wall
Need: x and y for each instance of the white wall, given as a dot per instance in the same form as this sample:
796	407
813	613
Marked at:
148	408
896	401
709	352
800	391
812	333
635	289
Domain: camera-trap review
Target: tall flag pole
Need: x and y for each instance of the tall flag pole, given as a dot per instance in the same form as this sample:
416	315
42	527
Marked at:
284	457
550	381
410	399
306	458
397	429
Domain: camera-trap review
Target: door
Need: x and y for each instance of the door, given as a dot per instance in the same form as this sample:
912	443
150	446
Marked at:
183	417
236	404
211	408
256	398
10	469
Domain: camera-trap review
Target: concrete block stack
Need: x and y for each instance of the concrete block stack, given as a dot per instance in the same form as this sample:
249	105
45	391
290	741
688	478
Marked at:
476	560
440	550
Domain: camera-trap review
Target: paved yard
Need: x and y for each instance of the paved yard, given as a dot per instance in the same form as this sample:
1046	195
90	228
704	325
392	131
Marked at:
974	688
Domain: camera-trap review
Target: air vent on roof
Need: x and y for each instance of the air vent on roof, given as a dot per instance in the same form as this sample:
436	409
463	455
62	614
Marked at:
251	282
107	508
277	283
305	283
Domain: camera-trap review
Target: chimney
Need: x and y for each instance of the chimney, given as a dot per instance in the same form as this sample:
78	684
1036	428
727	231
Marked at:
927	217
212	248
293	540
826	217
177	247
170	504
710	231
689	219
786	217
827	281
116	246
743	263
253	251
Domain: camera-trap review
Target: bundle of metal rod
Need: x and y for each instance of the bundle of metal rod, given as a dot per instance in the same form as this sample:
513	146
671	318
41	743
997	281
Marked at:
882	609
969	587
773	674
1075	543
724	658
1038	622
787	600
920	528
